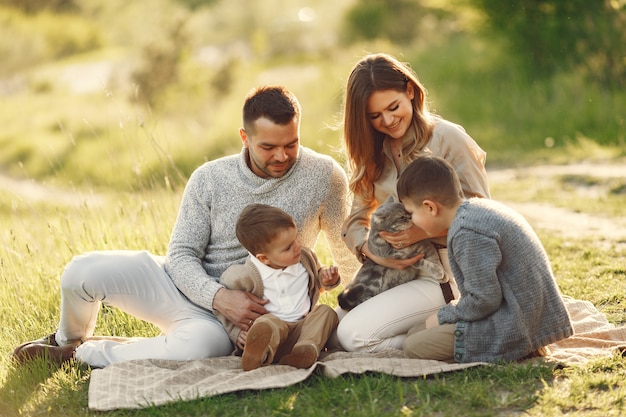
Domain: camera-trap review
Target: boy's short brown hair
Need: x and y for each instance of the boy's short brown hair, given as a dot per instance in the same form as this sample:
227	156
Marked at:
430	178
259	224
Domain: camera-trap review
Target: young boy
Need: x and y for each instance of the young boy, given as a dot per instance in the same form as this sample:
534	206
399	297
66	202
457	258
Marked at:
280	270
510	306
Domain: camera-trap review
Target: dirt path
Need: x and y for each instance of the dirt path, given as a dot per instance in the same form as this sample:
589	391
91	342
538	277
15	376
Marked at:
561	220
29	190
540	215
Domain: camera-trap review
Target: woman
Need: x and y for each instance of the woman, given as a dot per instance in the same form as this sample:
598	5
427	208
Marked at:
387	124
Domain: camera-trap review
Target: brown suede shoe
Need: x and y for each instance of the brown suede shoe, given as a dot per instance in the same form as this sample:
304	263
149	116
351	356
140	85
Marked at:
301	356
257	351
46	347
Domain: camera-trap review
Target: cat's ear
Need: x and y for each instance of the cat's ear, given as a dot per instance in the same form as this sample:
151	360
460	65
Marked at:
391	199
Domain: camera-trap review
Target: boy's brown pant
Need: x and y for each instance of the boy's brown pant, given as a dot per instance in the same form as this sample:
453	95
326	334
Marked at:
315	328
435	343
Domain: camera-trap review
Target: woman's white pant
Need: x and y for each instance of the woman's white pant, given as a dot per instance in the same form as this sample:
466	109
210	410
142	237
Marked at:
136	283
383	321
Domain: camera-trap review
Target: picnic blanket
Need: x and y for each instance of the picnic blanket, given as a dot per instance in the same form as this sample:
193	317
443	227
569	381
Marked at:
141	383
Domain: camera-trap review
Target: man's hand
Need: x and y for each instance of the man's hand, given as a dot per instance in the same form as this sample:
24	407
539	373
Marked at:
239	307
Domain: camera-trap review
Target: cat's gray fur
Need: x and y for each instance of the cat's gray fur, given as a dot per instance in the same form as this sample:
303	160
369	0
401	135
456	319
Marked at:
372	279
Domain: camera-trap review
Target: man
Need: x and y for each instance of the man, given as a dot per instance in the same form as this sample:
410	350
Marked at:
180	293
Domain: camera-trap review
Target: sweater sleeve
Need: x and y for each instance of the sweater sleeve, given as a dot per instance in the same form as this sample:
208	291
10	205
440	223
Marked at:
188	243
355	229
451	142
474	263
333	212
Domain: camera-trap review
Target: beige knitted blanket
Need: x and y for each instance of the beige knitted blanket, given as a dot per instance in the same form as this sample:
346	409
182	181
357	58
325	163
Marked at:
141	383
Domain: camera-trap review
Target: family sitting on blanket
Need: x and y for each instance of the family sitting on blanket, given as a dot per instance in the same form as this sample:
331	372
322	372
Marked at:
387	125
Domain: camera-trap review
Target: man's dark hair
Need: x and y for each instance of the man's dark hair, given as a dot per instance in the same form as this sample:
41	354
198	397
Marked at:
275	103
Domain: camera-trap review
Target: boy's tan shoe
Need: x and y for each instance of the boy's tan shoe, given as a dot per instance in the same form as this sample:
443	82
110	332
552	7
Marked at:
257	351
301	356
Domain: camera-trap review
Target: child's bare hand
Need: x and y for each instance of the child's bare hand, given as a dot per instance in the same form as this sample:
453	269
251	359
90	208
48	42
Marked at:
330	276
432	321
241	339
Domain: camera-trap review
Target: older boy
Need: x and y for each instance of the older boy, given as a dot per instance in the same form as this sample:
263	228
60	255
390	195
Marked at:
280	270
510	305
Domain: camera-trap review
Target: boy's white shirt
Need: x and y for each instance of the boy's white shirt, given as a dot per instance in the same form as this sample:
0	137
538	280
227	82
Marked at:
287	289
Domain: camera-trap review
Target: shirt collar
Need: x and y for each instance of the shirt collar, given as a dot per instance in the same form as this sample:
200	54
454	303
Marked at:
267	271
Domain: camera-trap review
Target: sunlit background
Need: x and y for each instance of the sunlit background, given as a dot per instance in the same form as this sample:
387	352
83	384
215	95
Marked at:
133	94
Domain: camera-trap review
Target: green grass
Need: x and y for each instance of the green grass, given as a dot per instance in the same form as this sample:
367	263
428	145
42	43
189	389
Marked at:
40	238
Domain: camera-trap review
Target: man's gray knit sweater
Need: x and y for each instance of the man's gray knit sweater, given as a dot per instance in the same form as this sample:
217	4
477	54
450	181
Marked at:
510	305
203	242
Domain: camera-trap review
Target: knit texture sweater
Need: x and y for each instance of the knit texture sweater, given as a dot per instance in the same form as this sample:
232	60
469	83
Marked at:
510	304
203	242
246	277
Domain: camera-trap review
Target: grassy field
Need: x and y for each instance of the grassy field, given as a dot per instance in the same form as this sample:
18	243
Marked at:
40	237
133	159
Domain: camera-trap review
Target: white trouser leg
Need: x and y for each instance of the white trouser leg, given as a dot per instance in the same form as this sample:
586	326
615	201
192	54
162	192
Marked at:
136	283
383	321
191	339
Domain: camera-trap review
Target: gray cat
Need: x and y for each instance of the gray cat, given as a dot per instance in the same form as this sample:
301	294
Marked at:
372	279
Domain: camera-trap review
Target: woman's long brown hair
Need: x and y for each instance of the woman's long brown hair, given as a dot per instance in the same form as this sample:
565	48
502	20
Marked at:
364	144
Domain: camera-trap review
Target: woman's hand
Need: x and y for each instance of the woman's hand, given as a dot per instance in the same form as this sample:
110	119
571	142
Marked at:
391	262
404	238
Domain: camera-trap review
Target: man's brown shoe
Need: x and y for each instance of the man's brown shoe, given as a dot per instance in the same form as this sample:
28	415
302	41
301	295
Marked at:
46	347
55	354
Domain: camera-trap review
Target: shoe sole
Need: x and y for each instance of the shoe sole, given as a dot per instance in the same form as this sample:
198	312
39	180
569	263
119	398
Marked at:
256	349
302	357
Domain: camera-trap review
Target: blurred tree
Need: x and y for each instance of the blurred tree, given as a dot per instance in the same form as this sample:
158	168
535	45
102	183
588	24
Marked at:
30	39
34	6
160	64
396	20
196	4
552	35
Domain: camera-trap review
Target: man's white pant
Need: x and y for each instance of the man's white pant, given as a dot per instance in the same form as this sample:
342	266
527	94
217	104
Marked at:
136	283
